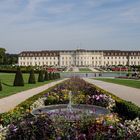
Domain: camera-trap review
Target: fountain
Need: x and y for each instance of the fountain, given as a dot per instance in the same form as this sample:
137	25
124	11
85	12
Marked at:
69	107
70	111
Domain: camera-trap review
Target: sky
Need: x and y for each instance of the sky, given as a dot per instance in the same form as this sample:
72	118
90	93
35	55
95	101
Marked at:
32	25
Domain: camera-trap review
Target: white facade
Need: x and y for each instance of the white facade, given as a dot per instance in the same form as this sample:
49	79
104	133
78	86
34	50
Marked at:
79	58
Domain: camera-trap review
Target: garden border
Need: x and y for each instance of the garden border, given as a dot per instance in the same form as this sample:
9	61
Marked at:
128	110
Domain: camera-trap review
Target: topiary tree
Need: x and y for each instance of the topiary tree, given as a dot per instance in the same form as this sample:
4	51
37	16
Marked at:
50	76
18	81
31	79
53	75
40	76
0	86
58	75
46	77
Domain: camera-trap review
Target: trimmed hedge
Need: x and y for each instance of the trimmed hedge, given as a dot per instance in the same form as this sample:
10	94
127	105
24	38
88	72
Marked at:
46	77
40	76
50	76
127	109
0	86
18	81
32	77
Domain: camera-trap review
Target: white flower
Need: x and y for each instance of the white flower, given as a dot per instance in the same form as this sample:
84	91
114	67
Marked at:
38	103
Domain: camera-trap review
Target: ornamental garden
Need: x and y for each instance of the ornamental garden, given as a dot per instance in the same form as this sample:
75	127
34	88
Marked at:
120	121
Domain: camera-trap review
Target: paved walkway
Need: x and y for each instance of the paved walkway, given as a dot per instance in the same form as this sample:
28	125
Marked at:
75	69
10	102
93	69
124	92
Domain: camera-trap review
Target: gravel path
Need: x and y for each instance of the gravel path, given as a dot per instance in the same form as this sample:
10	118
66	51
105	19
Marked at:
124	92
75	69
93	70
10	102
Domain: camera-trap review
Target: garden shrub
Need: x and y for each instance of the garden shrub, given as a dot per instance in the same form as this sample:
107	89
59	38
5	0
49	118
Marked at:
59	75
127	109
50	76
0	86
40	76
53	75
18	81
32	77
46	77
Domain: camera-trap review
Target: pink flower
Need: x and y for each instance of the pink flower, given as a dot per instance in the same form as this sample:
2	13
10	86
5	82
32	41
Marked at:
111	127
98	98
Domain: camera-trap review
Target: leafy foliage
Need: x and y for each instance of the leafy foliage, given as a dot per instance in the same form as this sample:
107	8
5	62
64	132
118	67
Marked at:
127	109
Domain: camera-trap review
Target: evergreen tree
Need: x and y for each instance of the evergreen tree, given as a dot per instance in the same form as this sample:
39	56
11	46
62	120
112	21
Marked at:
18	81
32	77
0	86
53	75
50	76
59	76
40	76
46	77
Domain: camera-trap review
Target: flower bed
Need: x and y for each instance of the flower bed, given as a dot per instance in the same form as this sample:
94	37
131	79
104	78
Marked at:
20	124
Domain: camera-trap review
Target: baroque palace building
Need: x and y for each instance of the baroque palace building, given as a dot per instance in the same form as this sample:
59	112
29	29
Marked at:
79	57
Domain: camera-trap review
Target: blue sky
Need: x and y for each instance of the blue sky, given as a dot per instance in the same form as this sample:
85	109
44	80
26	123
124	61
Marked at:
69	24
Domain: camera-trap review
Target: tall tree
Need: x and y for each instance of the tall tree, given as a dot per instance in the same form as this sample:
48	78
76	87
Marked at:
2	55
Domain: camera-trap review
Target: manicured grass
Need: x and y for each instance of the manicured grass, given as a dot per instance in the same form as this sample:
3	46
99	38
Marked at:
125	82
85	70
9	89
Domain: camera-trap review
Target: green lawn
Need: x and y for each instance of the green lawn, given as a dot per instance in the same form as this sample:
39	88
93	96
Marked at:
85	70
126	82
9	89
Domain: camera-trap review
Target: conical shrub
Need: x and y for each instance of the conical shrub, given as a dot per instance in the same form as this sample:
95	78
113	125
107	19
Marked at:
0	86
18	81
58	75
46	77
53	75
31	79
40	76
50	76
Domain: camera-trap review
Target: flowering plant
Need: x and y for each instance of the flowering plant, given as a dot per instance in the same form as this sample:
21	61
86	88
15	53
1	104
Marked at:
101	100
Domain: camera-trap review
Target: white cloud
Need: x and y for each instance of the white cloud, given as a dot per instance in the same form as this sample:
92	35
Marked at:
43	24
